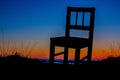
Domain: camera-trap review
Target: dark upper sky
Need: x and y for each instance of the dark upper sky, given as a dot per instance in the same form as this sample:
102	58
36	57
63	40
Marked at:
49	15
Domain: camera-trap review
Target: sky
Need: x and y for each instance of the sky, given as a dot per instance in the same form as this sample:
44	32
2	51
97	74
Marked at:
26	26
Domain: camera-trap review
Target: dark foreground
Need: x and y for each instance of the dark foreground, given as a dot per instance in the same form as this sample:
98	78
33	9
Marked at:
17	67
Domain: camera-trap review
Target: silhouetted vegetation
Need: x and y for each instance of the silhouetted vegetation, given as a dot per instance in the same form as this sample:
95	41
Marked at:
34	68
111	60
17	59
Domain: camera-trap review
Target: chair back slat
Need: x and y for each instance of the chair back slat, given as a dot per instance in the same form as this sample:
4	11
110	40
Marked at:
81	26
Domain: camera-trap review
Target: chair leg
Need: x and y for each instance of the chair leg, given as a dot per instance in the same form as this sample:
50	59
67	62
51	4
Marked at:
52	50
89	57
77	56
66	55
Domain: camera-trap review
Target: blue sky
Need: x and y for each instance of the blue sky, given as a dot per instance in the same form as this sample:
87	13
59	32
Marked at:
38	20
44	14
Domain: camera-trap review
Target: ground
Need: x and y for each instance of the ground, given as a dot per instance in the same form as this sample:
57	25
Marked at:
19	67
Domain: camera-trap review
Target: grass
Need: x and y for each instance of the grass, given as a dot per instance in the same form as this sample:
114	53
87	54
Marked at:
17	59
10	47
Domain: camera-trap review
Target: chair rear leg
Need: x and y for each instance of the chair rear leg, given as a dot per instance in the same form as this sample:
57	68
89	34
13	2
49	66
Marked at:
77	56
66	55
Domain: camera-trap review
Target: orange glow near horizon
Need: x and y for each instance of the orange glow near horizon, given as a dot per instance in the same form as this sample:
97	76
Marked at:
96	55
42	52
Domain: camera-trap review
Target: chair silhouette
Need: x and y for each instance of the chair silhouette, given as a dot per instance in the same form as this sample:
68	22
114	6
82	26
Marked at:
75	42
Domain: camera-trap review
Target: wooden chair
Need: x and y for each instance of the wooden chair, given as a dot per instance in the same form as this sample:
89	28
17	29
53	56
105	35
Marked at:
75	42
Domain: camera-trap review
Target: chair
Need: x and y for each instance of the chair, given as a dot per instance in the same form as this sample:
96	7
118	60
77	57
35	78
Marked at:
75	42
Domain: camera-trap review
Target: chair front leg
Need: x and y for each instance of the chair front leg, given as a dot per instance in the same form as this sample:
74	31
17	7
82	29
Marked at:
52	51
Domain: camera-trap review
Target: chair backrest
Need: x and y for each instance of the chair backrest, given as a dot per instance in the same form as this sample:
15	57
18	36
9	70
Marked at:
82	26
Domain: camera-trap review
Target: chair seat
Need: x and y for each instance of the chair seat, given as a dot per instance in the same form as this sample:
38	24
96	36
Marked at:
72	42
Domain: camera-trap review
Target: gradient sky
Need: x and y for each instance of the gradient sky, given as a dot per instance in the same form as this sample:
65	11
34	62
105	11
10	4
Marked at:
27	25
